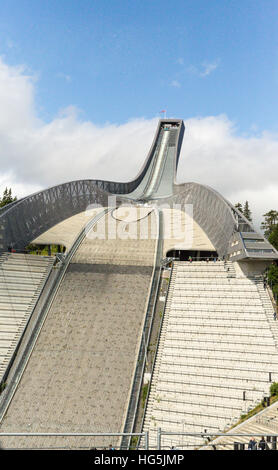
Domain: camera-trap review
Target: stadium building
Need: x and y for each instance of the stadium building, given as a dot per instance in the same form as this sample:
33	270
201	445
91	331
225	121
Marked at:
152	318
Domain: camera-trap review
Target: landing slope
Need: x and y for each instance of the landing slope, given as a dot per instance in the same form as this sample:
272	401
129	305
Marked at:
80	373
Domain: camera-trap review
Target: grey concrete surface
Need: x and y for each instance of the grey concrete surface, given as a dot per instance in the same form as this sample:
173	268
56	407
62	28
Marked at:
80	372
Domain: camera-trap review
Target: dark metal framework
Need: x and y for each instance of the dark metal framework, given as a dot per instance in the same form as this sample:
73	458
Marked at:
24	220
33	215
222	222
210	211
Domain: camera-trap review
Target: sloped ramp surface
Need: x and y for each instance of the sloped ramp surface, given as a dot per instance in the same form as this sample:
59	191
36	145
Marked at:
80	374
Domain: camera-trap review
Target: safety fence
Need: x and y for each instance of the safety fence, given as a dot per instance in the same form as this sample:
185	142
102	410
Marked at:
87	441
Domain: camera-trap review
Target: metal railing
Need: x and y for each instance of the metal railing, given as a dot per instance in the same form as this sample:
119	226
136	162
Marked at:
142	355
273	295
156	350
206	440
210	441
76	435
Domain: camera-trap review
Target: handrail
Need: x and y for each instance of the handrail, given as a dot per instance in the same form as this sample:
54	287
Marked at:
270	292
76	434
270	422
212	435
159	433
156	350
197	258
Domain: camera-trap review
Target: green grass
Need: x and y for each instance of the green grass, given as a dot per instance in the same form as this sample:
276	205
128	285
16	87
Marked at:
144	394
2	386
42	249
254	411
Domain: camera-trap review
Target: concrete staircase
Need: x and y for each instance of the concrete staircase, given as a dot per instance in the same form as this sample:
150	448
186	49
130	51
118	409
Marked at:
268	307
264	424
215	354
22	278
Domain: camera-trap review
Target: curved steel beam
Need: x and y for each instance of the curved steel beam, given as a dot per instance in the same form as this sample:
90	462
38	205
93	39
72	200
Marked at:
35	214
24	220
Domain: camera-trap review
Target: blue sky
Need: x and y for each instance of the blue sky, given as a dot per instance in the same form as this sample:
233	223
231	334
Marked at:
118	60
82	83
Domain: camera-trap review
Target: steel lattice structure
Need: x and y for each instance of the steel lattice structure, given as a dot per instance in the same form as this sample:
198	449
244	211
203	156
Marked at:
26	219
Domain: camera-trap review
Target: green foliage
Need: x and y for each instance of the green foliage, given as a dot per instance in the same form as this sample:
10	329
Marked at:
134	442
43	249
273	274
275	292
272	277
7	198
247	212
144	394
239	206
273	237
258	407
270	222
274	389
2	386
270	227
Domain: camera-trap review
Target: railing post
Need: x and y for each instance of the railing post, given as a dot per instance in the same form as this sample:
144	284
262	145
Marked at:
159	439
147	440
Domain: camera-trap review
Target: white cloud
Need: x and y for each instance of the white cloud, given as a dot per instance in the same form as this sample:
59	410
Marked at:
35	154
240	168
17	107
43	154
175	84
208	68
204	70
64	76
10	44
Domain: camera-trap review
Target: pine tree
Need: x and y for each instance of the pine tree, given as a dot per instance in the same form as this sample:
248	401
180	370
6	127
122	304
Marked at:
7	197
270	222
270	227
273	237
247	212
238	206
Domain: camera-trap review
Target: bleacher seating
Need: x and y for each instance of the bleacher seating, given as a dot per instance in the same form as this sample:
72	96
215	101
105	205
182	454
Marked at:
215	355
22	277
